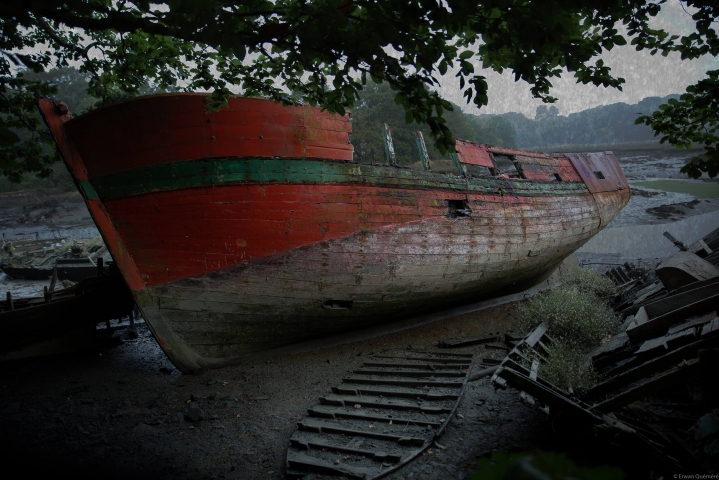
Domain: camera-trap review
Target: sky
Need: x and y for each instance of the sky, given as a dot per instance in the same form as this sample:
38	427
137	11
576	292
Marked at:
645	76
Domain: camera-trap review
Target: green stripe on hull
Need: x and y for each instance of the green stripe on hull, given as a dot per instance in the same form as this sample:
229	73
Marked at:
219	171
87	190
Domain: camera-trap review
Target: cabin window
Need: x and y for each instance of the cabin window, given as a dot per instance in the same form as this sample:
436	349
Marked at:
477	170
458	208
599	175
505	166
444	165
338	304
556	177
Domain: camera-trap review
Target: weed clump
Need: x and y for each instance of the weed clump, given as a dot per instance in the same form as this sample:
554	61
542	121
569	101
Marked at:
567	366
587	281
578	319
573	318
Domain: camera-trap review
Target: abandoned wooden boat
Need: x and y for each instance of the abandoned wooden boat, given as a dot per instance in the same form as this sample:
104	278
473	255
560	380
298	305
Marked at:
68	260
251	228
29	323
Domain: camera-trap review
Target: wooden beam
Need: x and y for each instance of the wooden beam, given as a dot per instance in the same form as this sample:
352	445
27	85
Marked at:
658	383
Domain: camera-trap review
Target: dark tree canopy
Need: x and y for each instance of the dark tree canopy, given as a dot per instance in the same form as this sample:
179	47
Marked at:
323	52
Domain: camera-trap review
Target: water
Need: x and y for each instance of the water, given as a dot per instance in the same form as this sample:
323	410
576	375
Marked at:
657	165
636	234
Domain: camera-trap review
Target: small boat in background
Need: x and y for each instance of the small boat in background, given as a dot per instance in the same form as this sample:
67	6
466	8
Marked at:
252	227
73	260
64	319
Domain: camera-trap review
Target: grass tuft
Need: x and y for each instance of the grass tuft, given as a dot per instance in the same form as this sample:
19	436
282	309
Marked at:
565	366
588	281
575	319
578	319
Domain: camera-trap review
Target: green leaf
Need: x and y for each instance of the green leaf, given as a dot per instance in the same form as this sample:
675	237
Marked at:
7	136
442	67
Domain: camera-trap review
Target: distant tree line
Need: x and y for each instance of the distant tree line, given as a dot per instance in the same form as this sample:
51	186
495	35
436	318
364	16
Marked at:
604	125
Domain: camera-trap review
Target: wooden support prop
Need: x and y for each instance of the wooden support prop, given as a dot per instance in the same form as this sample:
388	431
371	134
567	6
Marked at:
680	297
623	275
536	335
10	305
388	145
551	398
658	383
654	327
100	266
422	149
664	362
455	160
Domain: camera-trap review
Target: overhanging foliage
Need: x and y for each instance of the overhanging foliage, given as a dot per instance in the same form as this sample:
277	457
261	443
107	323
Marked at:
321	52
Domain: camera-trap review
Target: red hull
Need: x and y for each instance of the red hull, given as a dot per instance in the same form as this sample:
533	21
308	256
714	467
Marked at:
251	228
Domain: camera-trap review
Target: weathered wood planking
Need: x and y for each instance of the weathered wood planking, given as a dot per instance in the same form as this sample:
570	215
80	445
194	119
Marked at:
229	225
288	293
250	228
174	128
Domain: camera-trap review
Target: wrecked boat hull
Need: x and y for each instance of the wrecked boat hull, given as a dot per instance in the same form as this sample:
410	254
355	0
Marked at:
251	228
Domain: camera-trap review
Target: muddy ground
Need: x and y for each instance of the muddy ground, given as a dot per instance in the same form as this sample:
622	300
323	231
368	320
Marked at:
118	411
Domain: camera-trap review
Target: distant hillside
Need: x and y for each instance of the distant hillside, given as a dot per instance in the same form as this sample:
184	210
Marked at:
604	125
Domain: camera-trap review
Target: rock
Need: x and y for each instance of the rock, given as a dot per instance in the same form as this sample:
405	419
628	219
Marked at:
194	414
707	426
176	417
143	430
712	449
